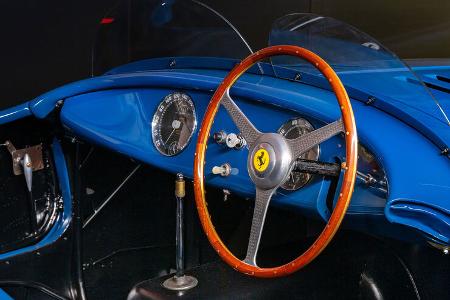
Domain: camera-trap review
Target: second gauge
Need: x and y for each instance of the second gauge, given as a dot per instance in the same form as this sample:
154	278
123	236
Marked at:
291	130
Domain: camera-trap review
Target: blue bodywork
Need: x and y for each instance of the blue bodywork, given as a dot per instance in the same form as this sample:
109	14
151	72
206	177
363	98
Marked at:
4	295
115	111
15	113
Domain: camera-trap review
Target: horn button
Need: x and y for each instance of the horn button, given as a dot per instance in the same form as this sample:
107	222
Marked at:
269	161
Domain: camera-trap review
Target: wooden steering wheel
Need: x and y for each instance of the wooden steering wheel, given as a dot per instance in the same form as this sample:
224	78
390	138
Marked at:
270	161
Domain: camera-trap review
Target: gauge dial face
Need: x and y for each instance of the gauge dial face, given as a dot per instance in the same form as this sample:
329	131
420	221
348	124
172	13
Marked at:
291	130
173	123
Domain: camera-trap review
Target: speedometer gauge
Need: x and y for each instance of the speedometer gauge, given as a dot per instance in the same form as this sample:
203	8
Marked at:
173	123
291	130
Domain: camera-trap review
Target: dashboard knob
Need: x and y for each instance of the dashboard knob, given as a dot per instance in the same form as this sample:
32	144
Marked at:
220	137
224	170
235	141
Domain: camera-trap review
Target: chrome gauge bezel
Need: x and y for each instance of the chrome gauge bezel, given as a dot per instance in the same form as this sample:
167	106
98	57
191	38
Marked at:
158	118
312	154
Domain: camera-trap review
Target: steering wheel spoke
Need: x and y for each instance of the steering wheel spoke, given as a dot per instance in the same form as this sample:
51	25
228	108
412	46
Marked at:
309	140
247	129
317	167
262	201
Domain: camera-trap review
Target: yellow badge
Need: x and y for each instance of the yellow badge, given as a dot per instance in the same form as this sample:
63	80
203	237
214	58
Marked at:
261	160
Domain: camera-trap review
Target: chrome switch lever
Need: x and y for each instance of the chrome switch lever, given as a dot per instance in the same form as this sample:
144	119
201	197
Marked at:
27	170
235	141
231	140
220	137
224	170
27	166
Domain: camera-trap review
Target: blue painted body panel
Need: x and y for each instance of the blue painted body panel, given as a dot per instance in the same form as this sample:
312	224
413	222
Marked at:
391	88
115	111
439	87
4	295
124	125
15	113
424	119
64	218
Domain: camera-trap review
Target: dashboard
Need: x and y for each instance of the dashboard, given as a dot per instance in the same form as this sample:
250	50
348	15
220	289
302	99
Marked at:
117	112
159	126
175	121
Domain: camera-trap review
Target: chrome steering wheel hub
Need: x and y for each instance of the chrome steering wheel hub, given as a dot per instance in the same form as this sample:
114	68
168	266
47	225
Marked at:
270	161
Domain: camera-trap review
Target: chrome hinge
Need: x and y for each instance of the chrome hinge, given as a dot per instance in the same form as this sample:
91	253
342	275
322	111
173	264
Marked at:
35	161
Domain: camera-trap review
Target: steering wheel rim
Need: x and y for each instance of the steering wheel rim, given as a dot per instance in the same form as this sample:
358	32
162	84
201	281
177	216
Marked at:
221	96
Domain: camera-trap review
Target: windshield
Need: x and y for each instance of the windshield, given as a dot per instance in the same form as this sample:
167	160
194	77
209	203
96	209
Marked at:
360	61
142	29
137	30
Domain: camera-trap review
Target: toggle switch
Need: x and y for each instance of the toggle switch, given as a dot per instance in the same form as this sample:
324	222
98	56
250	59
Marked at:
235	141
220	137
224	170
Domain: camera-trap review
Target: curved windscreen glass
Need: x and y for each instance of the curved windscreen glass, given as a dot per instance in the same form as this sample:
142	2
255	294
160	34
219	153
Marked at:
360	61
142	29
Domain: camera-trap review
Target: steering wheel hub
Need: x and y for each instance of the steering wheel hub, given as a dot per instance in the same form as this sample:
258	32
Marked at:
270	161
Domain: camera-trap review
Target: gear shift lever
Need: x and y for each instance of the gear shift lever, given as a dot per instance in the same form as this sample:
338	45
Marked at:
180	281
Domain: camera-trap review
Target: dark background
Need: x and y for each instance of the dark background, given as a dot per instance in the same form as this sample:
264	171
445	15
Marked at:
47	43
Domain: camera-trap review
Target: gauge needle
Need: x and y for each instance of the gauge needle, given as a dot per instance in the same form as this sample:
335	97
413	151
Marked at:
175	125
165	142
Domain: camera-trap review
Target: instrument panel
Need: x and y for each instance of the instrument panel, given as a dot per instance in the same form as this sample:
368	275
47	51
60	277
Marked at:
126	126
175	121
137	119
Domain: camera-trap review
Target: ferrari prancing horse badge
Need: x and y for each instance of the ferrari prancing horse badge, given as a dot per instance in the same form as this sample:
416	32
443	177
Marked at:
261	160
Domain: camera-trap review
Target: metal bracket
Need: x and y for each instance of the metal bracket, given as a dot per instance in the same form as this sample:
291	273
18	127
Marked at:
34	152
